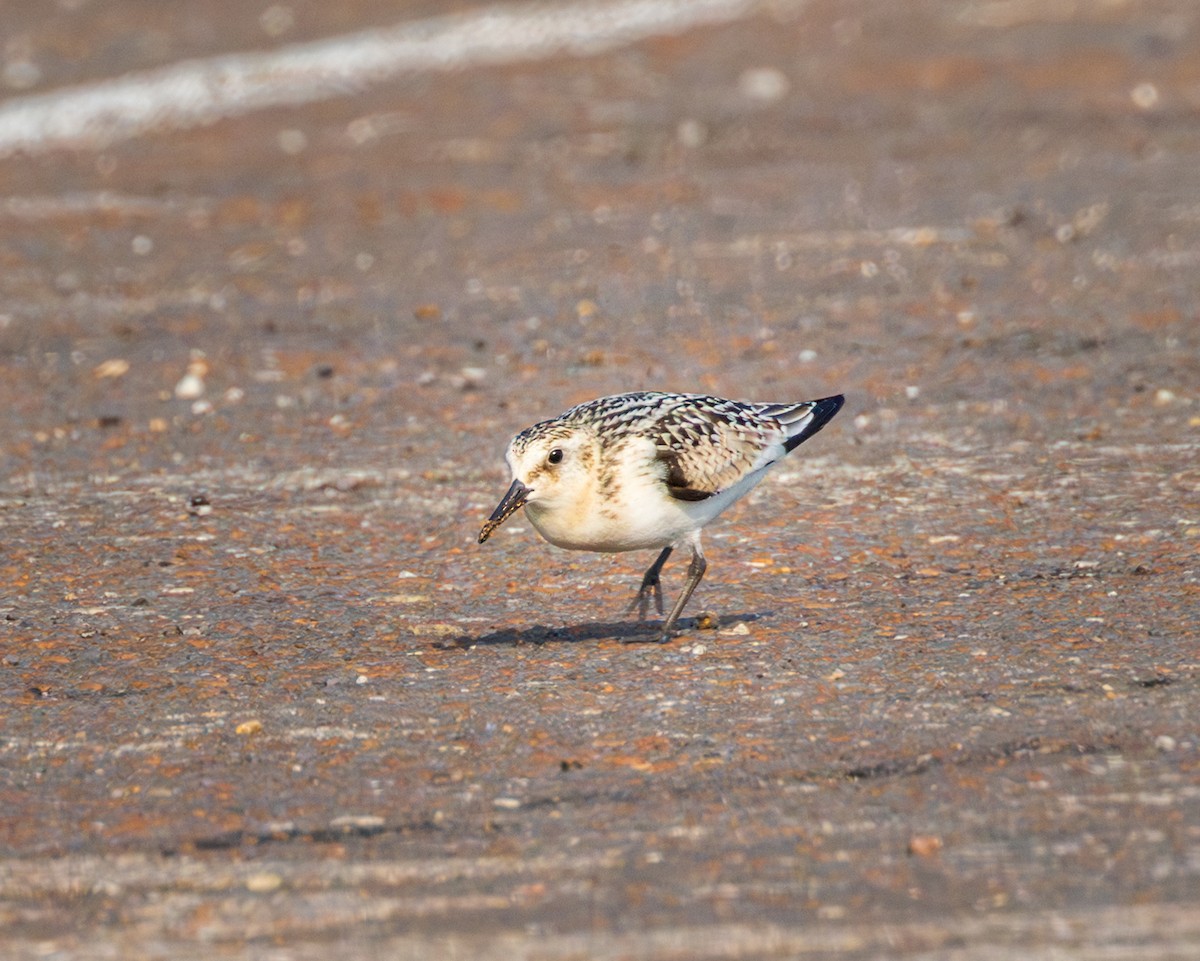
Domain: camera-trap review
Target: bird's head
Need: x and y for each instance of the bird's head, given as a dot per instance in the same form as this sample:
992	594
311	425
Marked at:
551	466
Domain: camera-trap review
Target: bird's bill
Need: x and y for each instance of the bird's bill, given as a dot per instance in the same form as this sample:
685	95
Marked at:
513	501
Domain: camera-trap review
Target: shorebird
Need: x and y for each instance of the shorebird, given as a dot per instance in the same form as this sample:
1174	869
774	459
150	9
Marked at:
648	470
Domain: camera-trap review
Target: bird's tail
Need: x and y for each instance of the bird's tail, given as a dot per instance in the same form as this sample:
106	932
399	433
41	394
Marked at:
804	419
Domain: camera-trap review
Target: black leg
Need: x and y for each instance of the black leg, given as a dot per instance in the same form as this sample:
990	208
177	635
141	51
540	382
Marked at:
651	585
695	572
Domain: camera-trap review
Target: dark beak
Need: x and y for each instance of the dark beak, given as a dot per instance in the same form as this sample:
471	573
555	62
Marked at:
513	501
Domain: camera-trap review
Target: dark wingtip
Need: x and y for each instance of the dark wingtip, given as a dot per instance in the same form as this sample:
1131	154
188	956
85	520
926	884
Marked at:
822	413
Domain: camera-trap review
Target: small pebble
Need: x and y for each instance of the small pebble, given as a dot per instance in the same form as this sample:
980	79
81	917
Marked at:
924	845
191	384
112	368
763	83
1144	96
357	822
277	19
263	882
189	387
292	141
691	133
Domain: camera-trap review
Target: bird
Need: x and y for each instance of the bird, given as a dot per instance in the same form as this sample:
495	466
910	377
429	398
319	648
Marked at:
648	469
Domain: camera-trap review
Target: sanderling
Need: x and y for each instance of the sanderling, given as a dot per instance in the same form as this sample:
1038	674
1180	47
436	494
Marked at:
648	470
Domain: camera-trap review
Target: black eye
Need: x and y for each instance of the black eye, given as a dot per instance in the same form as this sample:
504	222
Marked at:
555	456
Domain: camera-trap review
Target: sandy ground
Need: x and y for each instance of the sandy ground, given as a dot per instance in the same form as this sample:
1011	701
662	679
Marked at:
263	696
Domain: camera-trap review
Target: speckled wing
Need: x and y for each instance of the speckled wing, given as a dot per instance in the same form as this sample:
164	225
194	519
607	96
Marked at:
709	446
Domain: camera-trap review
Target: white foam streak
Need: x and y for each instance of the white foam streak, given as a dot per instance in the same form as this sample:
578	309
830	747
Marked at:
199	92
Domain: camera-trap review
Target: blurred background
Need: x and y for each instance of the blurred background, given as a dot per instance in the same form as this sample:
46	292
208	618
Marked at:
278	282
759	200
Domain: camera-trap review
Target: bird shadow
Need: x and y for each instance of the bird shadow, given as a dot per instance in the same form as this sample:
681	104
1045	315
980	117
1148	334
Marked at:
628	632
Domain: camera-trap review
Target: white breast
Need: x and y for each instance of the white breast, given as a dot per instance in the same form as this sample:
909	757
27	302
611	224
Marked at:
640	514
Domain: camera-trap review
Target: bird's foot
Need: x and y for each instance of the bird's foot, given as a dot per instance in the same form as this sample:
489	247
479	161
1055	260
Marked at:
670	629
